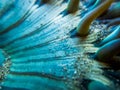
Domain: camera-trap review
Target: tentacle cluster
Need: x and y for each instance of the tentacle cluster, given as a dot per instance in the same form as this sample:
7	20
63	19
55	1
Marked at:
39	53
109	47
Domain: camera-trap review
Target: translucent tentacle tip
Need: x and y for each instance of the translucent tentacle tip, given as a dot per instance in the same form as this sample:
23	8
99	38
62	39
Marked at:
73	6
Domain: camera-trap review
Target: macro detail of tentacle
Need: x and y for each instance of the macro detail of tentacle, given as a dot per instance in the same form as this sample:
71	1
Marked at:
105	53
91	7
114	35
112	12
73	6
83	27
111	22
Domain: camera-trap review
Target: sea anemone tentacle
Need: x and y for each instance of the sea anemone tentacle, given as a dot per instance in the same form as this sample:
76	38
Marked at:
90	8
108	51
97	3
83	27
111	22
114	35
73	6
112	12
114	22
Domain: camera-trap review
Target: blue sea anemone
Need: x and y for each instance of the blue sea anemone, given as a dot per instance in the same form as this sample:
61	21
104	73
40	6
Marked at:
59	45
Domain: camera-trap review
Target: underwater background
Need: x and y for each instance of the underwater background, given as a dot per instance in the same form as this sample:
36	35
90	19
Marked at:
59	44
